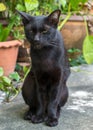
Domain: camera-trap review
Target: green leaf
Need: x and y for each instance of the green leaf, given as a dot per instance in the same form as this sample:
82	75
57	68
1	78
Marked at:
73	50
5	34
5	31
83	1
14	76
20	7
1	86
31	4
1	30
62	2
1	27
26	70
2	7
88	49
1	71
75	3
6	80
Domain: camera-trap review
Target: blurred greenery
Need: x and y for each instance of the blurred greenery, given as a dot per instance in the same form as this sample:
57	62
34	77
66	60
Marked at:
76	57
11	84
40	7
37	7
79	60
88	46
7	84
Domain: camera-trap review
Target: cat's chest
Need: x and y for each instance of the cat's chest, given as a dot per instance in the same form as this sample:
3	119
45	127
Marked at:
43	60
43	63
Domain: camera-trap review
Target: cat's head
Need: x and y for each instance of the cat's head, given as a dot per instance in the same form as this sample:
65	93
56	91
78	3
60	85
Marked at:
40	30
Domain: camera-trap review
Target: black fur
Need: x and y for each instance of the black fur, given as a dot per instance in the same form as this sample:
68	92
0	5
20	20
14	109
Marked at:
44	88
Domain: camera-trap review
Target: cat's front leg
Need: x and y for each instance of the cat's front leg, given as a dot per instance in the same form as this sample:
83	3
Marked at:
53	108
29	95
39	116
55	88
53	103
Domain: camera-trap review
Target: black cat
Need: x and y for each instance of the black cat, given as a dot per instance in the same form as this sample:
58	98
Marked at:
44	88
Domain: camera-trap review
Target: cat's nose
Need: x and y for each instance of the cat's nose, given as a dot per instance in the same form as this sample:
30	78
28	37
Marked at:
36	38
36	44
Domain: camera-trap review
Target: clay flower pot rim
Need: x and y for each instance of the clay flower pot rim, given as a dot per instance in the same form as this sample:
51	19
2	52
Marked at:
77	17
11	43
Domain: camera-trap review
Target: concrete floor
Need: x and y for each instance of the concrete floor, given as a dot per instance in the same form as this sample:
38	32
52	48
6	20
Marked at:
76	115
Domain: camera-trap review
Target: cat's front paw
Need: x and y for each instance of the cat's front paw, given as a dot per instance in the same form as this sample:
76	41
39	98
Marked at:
28	115
37	119
52	122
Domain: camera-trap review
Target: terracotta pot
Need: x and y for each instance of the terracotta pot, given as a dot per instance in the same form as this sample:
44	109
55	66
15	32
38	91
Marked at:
8	55
74	32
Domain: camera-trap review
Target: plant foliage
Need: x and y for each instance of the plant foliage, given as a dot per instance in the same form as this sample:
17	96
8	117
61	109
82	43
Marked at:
88	49
2	7
75	4
88	46
5	31
6	84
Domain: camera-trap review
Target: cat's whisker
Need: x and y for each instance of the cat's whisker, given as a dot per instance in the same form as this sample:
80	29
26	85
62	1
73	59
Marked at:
51	44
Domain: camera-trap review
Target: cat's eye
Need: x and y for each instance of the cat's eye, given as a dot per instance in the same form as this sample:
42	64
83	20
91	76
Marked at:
46	29
30	31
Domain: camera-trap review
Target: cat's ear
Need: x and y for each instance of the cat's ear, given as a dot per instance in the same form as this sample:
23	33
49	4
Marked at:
25	17
53	18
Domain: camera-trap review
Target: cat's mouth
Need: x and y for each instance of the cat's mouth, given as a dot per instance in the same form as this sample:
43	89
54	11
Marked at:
37	46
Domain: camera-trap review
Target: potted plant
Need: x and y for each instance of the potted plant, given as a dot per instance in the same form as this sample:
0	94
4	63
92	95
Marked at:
8	51
73	30
72	24
8	47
